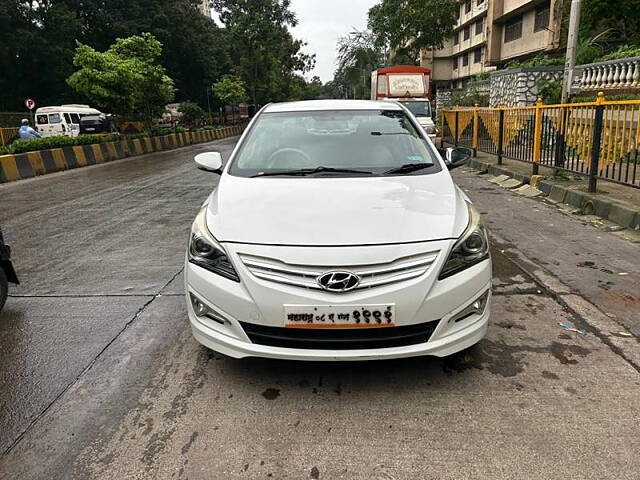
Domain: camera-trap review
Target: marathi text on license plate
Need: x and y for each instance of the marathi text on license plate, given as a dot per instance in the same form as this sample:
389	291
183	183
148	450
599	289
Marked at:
339	316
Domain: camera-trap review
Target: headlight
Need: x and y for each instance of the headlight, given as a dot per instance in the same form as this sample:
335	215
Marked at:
470	249
206	252
430	129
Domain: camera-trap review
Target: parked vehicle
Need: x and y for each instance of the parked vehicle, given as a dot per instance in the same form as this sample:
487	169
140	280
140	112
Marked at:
337	233
410	86
7	273
97	125
63	120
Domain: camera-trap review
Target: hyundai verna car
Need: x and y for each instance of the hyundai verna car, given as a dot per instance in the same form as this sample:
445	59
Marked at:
336	233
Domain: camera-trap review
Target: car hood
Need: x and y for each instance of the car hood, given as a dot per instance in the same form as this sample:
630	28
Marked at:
337	211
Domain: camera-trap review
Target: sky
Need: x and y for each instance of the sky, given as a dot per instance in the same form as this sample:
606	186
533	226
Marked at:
322	22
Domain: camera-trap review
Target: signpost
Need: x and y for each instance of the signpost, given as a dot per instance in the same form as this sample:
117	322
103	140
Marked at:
30	103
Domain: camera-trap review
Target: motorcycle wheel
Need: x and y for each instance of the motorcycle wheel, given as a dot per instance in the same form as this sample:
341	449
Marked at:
4	288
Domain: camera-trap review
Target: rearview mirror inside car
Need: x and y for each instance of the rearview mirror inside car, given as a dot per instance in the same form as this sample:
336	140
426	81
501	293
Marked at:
209	162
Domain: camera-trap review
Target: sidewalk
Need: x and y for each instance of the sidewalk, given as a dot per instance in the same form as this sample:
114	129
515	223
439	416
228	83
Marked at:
619	204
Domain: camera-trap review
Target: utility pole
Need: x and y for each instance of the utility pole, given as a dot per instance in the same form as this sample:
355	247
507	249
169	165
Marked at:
572	43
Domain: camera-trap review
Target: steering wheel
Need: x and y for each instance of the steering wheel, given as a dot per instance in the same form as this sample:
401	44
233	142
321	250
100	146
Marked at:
283	154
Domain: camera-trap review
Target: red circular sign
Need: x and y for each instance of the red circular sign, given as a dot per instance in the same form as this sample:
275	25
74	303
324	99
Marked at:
30	103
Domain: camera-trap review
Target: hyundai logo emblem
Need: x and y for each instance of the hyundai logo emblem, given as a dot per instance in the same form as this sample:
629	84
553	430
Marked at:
338	281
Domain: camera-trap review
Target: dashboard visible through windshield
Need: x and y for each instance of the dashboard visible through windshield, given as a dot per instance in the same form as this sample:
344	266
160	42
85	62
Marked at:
334	143
419	109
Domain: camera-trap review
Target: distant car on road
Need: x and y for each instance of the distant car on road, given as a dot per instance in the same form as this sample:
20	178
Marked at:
98	125
7	273
63	120
337	233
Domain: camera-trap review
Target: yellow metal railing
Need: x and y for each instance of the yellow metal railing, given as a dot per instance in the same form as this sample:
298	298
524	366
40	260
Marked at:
599	139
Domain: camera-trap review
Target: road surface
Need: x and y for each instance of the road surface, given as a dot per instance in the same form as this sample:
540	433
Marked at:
101	378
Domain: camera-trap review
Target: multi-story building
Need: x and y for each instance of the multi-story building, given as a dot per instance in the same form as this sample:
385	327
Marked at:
518	29
464	54
492	33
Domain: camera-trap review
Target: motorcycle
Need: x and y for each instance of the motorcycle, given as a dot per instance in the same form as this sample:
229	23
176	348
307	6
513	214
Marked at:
7	273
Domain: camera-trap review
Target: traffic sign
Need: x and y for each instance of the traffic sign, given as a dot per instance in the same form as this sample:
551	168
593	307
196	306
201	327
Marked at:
30	103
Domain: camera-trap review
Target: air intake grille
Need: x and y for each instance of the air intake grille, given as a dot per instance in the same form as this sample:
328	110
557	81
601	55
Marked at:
370	276
340	339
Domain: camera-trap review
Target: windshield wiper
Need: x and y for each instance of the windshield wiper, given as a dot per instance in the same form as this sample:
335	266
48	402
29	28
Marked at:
408	168
309	171
379	134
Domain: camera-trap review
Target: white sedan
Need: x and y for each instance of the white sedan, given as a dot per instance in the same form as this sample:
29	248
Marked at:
337	233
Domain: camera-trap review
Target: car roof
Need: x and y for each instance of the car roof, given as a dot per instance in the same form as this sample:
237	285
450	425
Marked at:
319	105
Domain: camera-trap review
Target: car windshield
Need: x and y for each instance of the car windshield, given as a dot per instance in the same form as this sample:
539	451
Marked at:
343	143
419	109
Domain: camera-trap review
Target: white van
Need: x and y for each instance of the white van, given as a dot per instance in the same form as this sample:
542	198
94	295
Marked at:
63	120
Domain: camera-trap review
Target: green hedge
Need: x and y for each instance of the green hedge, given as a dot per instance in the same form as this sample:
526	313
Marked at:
24	146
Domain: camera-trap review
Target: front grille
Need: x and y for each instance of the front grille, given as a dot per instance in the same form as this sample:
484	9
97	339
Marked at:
340	339
305	276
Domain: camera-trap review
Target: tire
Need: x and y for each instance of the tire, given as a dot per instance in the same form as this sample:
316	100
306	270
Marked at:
4	288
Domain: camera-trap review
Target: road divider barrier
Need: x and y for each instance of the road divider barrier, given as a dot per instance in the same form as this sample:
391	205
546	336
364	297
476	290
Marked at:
28	165
600	140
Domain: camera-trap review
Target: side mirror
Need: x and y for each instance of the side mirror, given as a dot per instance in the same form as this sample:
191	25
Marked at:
209	162
457	157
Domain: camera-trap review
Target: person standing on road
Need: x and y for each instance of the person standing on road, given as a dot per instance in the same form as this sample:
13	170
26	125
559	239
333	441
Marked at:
26	132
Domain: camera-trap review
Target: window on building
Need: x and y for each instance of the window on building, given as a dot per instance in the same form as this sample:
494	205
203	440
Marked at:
480	26
467	6
455	63
477	55
513	30
456	38
465	60
542	18
480	2
467	33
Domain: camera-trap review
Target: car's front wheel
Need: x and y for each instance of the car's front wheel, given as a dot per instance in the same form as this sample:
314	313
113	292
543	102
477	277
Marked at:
4	288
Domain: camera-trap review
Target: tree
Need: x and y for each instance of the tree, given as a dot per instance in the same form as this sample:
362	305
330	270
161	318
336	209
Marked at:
619	17
358	56
407	26
191	112
38	42
230	90
126	79
264	53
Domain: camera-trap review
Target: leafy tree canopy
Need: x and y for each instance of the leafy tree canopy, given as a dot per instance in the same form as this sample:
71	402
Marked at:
191	112
407	26
38	42
264	53
358	55
126	79
230	90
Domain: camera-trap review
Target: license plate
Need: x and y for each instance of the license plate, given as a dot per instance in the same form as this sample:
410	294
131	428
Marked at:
339	316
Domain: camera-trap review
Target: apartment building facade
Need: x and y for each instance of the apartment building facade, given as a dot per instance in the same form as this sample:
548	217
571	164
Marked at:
491	33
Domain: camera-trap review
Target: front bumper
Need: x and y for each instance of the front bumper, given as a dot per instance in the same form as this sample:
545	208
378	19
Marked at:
443	347
256	302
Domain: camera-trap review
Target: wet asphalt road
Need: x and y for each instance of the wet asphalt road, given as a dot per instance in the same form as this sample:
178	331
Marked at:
100	377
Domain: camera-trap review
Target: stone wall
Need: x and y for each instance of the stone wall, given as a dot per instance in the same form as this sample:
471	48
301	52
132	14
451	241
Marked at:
519	87
445	98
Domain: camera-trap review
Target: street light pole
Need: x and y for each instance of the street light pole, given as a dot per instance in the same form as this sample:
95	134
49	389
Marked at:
572	44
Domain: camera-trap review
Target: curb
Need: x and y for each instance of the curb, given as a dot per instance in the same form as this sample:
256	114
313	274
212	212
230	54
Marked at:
21	166
586	203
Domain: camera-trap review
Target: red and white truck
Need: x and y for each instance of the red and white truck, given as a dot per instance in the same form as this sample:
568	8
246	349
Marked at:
409	85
